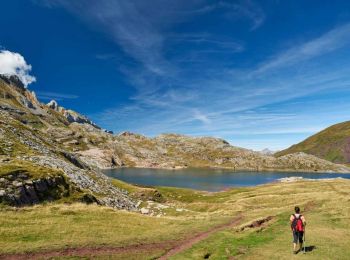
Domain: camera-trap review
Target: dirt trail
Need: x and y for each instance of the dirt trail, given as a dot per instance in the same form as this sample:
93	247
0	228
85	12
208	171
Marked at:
173	246
90	251
190	242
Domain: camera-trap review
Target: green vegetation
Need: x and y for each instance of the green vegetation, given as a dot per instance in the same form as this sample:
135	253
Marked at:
56	226
327	206
332	144
125	186
228	243
32	171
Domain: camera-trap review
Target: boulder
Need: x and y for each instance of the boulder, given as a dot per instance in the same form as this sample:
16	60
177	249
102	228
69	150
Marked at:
144	211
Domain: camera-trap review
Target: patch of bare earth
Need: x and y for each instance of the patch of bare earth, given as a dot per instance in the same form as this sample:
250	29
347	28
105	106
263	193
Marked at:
188	243
91	251
258	223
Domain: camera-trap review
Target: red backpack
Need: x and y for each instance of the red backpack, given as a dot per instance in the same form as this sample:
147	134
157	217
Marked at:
297	224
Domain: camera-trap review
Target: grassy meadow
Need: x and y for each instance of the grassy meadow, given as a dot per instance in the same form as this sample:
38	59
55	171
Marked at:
60	226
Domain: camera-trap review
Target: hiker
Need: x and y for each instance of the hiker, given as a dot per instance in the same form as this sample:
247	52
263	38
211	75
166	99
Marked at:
298	223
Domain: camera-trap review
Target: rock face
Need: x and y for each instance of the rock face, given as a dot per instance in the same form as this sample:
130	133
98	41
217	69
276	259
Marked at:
53	105
332	144
38	140
100	158
13	80
15	90
70	115
19	190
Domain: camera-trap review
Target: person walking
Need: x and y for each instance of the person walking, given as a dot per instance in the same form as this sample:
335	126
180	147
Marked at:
298	223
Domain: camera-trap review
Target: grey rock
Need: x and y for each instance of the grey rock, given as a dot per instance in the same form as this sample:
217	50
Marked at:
144	211
17	184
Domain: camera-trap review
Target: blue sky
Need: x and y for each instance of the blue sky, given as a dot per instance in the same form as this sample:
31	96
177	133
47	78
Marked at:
256	73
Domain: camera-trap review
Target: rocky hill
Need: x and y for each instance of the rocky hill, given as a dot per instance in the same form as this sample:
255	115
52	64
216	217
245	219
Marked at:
34	166
332	144
48	152
178	151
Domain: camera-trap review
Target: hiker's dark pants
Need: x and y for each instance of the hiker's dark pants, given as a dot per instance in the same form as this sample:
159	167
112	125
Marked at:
298	236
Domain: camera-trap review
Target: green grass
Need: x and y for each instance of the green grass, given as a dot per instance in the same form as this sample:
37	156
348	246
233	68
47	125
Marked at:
58	226
55	226
32	171
328	228
125	186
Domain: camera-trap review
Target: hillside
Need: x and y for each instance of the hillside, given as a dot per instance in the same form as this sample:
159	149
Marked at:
332	144
34	167
178	151
48	152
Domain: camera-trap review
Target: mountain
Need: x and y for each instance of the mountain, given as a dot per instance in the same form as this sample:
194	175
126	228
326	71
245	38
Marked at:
267	151
35	166
332	144
178	151
48	152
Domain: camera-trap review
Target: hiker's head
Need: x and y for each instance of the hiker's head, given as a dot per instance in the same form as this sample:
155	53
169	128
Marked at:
297	210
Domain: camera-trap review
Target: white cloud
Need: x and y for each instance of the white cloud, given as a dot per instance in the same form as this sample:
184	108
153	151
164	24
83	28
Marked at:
235	10
198	115
13	64
54	95
326	43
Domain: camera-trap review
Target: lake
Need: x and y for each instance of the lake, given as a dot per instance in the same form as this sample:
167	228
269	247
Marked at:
207	179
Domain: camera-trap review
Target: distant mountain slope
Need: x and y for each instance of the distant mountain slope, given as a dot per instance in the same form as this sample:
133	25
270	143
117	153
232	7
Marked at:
332	144
173	151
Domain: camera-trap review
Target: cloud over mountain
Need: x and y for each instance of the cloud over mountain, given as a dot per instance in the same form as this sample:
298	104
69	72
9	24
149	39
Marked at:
14	64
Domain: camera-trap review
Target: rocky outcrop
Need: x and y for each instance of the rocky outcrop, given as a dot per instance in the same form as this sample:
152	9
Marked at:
19	190
16	90
301	161
42	138
101	158
54	105
178	151
70	115
92	181
13	80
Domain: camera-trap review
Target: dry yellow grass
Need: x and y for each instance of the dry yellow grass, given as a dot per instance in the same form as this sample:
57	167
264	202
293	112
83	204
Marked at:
328	218
56	226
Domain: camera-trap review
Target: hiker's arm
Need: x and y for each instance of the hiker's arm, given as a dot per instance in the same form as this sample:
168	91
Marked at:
291	219
304	220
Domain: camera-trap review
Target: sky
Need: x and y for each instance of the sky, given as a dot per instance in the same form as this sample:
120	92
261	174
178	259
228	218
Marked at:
260	74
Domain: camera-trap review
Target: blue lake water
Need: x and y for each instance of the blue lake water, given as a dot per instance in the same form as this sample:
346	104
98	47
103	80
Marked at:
206	179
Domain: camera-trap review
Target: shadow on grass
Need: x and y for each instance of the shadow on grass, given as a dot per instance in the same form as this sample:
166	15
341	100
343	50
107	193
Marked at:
309	248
